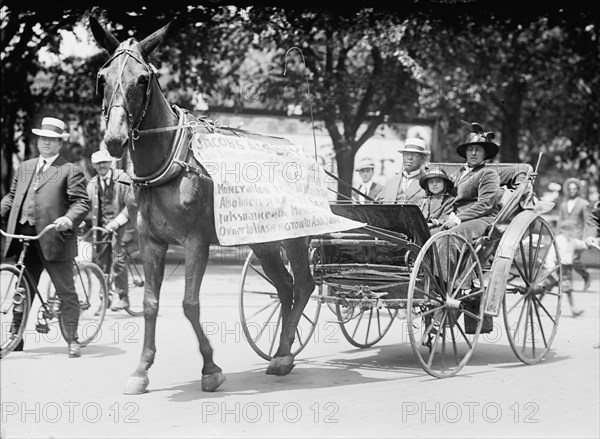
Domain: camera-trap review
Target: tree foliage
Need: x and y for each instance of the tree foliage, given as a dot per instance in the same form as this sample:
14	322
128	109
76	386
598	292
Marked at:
531	76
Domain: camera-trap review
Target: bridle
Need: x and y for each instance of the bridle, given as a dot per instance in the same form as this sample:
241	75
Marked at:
134	132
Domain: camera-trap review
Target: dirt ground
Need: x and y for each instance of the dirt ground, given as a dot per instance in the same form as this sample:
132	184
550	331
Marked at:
335	390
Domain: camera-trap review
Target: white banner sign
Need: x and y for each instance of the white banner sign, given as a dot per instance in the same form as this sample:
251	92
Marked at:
265	190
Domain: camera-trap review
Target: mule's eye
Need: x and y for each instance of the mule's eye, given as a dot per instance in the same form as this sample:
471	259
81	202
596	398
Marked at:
143	80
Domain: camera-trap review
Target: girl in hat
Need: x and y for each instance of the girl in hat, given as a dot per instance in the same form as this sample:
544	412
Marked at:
437	205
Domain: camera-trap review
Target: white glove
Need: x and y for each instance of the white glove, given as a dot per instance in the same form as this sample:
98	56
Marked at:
112	226
452	221
590	241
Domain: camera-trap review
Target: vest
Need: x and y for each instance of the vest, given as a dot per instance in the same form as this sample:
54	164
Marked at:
105	201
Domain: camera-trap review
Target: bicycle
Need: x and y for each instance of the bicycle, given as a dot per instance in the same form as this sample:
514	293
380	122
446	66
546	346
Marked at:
133	268
17	286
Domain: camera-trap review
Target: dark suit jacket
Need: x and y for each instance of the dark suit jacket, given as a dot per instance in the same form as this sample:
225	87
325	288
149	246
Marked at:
122	194
477	194
60	192
572	224
373	192
392	191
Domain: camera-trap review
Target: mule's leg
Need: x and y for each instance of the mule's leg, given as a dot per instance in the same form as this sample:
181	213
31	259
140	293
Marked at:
196	258
303	286
153	255
272	263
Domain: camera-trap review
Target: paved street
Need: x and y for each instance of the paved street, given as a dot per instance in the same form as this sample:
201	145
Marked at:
335	390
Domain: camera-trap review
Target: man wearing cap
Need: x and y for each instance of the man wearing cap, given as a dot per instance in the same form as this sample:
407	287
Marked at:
366	170
405	185
109	191
49	190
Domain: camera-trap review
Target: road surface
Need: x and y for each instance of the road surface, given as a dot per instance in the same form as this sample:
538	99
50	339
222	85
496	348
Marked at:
335	390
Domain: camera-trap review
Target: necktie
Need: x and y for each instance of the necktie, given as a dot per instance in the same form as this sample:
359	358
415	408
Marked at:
40	170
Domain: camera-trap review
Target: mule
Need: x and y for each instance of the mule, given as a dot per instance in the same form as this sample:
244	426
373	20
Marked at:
174	205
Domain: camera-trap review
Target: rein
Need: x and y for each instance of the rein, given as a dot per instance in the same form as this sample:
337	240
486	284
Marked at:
122	63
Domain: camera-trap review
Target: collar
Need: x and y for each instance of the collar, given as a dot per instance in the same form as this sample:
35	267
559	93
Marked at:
412	174
48	160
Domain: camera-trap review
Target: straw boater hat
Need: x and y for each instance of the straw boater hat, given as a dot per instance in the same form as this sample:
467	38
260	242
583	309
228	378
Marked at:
478	137
414	144
102	156
439	173
51	127
365	163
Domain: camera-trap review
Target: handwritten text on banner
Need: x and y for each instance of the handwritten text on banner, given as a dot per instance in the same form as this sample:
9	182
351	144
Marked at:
265	191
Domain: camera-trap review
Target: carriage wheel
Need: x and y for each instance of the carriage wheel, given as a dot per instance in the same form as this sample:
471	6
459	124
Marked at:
15	303
445	304
92	293
260	312
364	326
532	302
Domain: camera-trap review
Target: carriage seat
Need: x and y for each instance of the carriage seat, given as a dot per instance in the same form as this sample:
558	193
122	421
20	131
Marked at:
510	173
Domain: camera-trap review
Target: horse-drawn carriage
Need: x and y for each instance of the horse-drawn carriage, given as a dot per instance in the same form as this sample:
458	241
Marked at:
367	275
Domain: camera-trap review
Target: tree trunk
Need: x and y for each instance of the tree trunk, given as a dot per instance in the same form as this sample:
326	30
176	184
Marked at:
344	156
513	100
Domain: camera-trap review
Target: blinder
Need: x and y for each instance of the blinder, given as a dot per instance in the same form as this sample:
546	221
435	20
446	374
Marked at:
134	132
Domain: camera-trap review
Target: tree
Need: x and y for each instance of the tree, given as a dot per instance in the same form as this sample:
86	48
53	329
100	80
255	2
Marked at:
533	78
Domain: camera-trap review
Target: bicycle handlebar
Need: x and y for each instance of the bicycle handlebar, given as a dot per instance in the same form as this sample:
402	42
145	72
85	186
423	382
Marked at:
94	229
30	237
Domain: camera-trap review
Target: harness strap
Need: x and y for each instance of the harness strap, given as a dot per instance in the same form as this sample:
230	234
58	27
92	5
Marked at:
170	169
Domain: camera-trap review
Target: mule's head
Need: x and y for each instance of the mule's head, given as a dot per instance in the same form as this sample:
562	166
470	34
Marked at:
125	80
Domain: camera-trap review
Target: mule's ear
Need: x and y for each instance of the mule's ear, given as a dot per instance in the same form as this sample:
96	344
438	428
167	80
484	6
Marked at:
151	42
103	37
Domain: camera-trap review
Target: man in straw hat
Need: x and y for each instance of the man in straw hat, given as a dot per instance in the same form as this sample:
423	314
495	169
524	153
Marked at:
109	191
404	186
366	170
49	190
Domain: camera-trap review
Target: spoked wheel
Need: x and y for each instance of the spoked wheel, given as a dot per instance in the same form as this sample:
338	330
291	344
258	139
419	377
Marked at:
14	308
533	298
260	312
363	327
445	304
93	298
135	281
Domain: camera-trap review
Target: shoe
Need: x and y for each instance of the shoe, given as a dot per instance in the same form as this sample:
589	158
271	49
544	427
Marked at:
586	283
74	350
122	303
577	312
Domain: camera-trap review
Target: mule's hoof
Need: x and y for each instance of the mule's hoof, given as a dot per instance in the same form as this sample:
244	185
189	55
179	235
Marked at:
281	365
136	385
212	381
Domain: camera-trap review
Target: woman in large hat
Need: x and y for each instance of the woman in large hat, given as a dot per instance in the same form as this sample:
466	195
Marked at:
477	185
476	203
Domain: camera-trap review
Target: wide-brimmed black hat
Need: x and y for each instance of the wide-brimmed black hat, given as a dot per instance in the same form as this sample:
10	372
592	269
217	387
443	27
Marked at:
478	137
438	173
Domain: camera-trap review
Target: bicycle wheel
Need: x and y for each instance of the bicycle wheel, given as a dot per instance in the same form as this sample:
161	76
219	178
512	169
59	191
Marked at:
135	282
15	306
93	299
